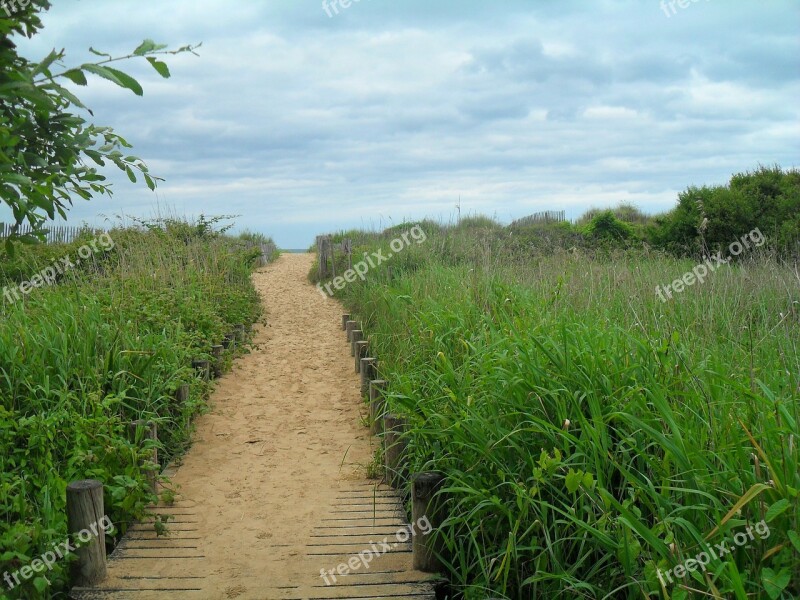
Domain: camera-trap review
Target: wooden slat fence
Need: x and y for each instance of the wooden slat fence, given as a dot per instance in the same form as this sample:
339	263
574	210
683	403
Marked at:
326	251
547	216
267	250
65	235
55	235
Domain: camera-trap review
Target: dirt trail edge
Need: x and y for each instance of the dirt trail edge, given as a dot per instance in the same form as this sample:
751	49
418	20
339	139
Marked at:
274	488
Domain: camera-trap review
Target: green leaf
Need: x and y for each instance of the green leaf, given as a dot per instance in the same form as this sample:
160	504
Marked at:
574	479
73	98
16	179
40	583
128	81
629	548
159	66
98	53
115	76
76	76
776	509
131	174
775	583
795	539
45	64
103	72
96	157
145	47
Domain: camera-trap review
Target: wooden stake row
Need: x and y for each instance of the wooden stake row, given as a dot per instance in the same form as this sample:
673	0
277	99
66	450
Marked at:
425	487
205	368
85	508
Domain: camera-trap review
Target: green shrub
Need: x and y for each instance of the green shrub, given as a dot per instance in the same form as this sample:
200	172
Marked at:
625	211
710	218
605	228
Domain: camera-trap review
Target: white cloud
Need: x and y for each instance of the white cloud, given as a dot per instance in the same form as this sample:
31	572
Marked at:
392	110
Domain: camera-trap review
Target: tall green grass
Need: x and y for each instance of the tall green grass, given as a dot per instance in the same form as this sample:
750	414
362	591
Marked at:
591	434
110	343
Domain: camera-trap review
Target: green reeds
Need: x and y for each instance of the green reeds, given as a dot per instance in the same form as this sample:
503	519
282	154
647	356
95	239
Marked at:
110	343
594	437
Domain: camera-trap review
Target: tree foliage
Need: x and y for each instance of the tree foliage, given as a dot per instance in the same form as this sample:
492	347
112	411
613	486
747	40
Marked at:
709	218
49	152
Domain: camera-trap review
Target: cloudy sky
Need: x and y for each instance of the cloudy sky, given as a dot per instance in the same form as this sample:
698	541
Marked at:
389	110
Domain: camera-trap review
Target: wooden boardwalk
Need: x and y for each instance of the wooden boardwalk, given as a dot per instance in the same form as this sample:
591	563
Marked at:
366	517
273	494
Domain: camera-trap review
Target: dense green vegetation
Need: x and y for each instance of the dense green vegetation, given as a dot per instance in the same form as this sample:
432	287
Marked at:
711	217
109	343
594	437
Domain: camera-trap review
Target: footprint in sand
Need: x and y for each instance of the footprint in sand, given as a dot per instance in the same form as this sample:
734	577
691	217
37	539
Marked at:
235	591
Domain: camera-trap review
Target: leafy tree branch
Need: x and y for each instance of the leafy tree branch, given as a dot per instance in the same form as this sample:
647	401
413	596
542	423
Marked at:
49	152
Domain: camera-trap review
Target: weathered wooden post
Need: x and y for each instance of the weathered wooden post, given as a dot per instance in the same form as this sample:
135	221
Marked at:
349	327
369	371
182	393
216	352
394	448
229	341
202	367
333	257
355	336
376	404
362	348
240	331
85	519
426	515
140	431
345	319
322	253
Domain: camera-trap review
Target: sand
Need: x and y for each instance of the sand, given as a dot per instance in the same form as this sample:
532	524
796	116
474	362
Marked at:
279	460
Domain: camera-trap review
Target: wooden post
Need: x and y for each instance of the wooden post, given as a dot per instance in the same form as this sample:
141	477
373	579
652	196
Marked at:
362	348
240	331
345	319
355	336
229	342
426	515
202	368
216	352
394	448
182	393
322	255
349	327
85	519
369	371
376	403
140	431
333	258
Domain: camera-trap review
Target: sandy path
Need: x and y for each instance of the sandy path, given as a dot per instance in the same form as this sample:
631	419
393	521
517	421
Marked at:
285	423
277	465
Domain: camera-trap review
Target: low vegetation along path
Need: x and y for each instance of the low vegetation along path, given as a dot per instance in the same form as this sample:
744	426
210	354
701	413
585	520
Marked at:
274	489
